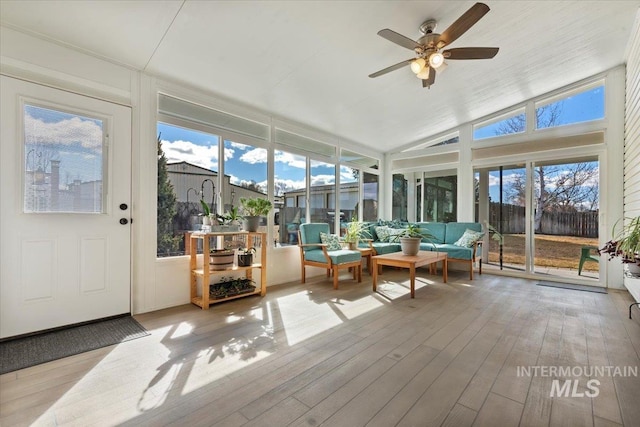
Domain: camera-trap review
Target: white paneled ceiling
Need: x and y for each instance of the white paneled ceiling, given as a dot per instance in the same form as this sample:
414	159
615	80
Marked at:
309	60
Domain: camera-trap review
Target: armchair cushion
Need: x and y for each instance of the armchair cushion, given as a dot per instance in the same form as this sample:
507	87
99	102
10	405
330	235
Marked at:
310	233
337	257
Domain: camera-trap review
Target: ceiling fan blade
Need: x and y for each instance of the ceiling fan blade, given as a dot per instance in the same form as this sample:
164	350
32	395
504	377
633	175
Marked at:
471	53
431	79
391	68
462	24
398	39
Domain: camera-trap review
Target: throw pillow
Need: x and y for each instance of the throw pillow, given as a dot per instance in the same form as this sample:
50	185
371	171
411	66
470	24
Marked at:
469	238
383	233
331	240
394	233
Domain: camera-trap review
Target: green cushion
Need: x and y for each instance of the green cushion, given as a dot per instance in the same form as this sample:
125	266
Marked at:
436	229
386	248
337	257
310	233
456	252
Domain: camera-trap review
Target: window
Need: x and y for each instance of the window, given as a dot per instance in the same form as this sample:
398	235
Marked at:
63	161
370	198
349	193
440	199
322	187
245	172
290	184
399	198
187	173
585	105
453	140
514	122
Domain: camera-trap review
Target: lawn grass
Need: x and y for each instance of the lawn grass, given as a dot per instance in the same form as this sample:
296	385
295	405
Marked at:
551	251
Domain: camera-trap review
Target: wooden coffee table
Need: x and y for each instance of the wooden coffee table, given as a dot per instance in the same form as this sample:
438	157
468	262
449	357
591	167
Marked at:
398	259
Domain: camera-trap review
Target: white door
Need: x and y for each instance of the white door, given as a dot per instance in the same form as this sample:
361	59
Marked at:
65	181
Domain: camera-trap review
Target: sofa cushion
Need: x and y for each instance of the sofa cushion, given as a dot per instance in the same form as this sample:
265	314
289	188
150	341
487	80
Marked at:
436	229
385	247
337	257
453	251
455	230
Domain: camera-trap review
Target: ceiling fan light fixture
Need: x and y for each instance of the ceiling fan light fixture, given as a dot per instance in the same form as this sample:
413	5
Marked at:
423	74
418	65
436	59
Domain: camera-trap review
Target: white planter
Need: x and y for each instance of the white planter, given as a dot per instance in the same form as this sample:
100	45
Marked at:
410	245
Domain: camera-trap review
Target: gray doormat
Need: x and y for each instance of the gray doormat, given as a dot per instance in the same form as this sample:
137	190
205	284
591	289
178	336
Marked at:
23	352
585	288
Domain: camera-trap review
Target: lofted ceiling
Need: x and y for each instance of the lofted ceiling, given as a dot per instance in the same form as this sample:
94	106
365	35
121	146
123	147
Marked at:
309	60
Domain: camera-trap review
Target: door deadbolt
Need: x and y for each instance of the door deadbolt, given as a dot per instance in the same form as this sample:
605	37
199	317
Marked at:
123	206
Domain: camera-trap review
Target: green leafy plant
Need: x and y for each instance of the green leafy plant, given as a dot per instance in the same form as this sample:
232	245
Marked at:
412	231
205	208
255	206
355	231
232	214
625	242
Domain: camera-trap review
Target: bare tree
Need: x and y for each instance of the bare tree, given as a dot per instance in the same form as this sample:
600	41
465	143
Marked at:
562	188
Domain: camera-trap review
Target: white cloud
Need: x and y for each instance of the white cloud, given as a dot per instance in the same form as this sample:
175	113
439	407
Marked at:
290	159
257	155
72	131
187	151
285	185
322	180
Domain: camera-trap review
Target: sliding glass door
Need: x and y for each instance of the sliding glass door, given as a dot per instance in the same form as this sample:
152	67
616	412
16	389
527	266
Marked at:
565	218
542	216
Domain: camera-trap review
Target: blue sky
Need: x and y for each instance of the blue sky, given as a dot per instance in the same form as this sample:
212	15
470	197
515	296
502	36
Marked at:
581	107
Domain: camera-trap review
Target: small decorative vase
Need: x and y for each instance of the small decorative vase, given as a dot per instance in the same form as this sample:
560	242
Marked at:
206	220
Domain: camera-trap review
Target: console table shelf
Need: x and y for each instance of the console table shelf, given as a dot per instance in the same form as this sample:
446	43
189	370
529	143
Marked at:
204	272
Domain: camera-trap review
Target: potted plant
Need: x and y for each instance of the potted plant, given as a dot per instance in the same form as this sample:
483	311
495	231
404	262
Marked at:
206	219
625	244
245	257
253	209
355	231
221	259
230	286
410	238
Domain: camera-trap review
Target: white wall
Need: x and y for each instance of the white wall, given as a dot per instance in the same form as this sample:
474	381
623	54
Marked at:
632	140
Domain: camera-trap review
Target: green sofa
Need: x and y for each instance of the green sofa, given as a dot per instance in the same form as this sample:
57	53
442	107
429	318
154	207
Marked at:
445	234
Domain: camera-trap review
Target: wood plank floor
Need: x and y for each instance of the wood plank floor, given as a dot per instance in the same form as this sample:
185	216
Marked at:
307	355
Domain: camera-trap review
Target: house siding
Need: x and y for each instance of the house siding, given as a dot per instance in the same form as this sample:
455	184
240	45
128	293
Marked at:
632	141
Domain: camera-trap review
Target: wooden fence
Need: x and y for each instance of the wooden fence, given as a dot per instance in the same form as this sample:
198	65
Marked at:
580	224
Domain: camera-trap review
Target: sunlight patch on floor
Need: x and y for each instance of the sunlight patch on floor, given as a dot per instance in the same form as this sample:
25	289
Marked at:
303	318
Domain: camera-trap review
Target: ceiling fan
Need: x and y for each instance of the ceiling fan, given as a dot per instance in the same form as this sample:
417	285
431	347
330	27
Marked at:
429	54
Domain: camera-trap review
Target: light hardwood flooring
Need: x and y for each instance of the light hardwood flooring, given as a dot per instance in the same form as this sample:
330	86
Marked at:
307	355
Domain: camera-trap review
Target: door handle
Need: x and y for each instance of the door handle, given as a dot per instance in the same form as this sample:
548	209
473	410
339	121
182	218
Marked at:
124	221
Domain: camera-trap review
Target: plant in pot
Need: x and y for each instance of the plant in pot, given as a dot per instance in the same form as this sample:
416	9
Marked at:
355	231
221	259
625	244
254	208
410	238
209	218
245	257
